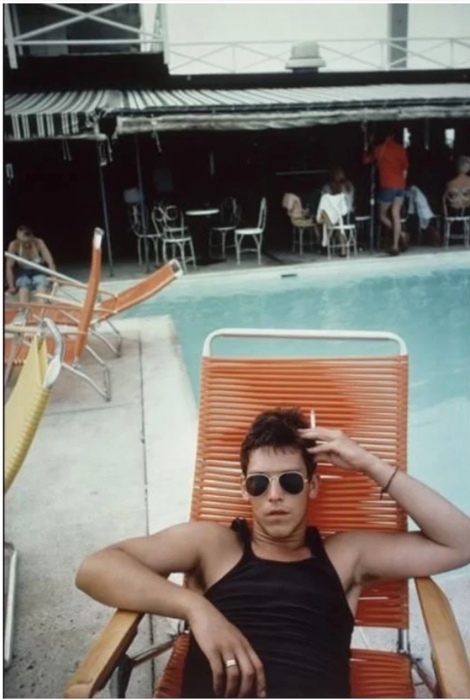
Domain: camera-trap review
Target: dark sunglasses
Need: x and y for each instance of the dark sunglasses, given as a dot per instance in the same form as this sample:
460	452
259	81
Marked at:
290	482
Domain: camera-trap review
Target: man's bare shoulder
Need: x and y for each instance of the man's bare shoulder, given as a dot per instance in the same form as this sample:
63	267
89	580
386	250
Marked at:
207	532
179	548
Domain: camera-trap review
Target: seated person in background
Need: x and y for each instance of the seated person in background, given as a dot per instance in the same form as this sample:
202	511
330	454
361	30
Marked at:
418	205
456	199
19	276
339	184
271	608
299	216
291	202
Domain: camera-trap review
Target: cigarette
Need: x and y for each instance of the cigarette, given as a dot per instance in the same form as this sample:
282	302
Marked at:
312	418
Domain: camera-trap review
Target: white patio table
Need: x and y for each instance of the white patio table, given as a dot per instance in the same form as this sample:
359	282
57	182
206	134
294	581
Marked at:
202	235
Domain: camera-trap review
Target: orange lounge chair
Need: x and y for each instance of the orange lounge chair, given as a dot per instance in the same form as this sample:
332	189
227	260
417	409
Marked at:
114	304
17	338
367	397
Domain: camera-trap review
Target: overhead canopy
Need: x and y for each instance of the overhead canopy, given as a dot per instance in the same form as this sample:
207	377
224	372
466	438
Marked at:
46	115
78	114
284	108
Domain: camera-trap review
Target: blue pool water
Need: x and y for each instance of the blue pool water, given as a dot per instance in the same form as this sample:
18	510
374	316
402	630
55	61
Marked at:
427	303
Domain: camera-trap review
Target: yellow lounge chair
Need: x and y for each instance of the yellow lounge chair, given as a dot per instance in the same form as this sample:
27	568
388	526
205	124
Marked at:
105	309
75	335
23	412
366	396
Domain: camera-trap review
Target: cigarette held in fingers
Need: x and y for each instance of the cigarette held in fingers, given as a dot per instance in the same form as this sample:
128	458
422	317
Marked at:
312	419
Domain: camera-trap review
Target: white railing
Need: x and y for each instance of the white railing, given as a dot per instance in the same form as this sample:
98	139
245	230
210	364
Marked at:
150	36
339	55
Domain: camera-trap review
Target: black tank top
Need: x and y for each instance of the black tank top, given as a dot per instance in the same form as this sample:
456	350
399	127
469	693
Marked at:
294	614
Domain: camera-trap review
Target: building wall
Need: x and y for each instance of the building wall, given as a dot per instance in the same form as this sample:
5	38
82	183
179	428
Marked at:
274	22
431	21
199	23
439	20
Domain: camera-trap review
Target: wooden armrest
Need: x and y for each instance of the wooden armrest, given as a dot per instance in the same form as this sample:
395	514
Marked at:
13	329
79	285
67	283
59	300
449	657
94	672
29	330
38	306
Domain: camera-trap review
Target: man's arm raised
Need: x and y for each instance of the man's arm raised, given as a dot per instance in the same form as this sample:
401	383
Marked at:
443	542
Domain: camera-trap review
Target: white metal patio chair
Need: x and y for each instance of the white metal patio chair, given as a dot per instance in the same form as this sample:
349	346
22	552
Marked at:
169	222
459	203
256	233
301	221
332	213
139	225
230	219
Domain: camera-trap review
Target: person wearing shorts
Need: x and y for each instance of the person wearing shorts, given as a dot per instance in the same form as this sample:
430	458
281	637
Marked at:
392	164
20	277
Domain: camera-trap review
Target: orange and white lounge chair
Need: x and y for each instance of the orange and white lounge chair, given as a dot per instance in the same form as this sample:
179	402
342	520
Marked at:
23	413
367	396
108	304
18	336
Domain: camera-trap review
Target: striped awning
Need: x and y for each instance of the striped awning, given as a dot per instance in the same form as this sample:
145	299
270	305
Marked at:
78	114
46	115
154	110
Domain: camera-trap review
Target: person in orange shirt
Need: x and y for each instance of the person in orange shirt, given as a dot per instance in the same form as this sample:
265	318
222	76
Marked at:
392	163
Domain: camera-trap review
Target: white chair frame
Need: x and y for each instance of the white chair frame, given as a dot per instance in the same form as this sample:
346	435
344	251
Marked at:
255	233
298	235
227	226
141	230
174	235
452	197
340	229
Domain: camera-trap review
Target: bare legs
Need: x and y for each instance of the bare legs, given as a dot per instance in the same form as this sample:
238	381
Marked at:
389	216
23	295
41	290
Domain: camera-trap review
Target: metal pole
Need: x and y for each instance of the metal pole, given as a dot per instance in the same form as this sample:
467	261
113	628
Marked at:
105	216
16	26
9	38
372	206
142	203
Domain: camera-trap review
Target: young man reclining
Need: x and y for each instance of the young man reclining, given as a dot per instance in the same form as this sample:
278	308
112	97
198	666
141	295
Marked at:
276	613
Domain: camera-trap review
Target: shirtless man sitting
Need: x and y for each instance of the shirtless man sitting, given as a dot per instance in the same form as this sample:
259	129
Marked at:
457	193
277	611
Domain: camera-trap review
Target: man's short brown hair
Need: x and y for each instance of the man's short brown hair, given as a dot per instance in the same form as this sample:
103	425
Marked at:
277	428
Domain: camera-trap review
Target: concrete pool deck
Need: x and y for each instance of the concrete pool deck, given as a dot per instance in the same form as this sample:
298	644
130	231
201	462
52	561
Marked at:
99	472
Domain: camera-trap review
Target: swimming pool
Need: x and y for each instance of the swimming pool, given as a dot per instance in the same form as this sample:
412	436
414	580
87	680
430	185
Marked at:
425	300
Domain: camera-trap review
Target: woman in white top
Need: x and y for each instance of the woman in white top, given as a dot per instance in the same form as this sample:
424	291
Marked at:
338	184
